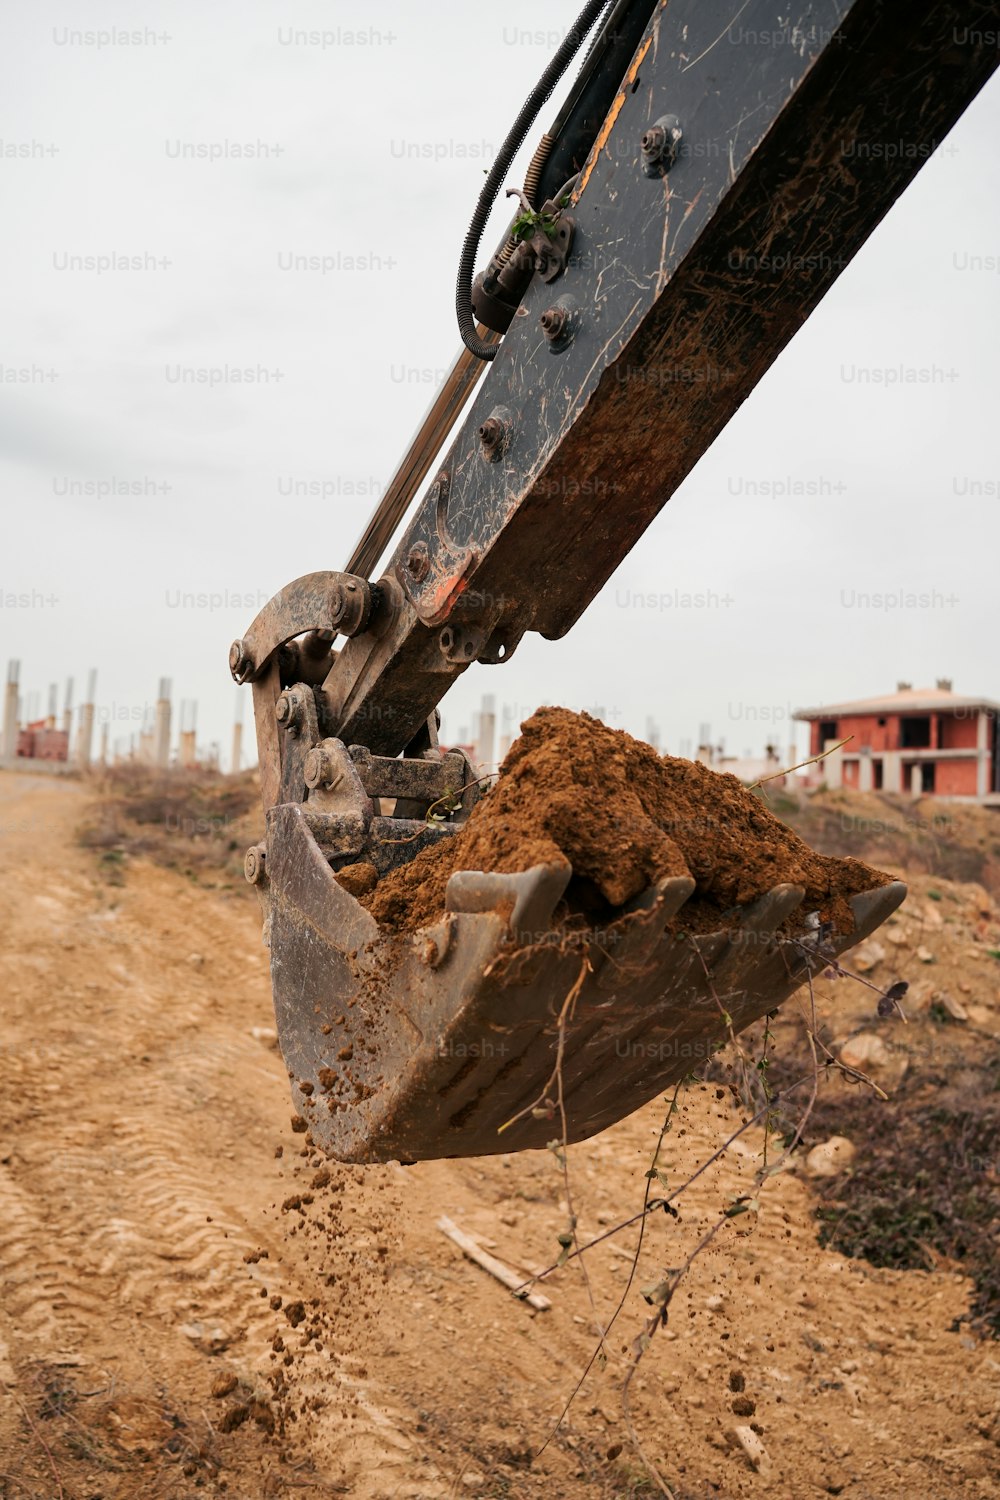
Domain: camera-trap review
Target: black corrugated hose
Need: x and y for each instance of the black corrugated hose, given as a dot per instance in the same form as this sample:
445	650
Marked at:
466	267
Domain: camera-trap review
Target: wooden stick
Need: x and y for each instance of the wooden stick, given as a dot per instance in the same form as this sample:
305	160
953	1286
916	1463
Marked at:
489	1263
789	769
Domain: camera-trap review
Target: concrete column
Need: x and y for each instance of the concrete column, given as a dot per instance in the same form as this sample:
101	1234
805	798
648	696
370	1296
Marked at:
486	733
50	718
85	735
8	746
891	772
161	731
188	750
85	729
67	721
915	779
104	745
865	776
832	768
982	754
237	750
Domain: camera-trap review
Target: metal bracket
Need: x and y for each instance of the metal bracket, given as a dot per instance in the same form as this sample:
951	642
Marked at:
298	729
327	603
550	251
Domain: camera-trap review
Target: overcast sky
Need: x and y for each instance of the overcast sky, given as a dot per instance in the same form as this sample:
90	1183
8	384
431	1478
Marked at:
370	154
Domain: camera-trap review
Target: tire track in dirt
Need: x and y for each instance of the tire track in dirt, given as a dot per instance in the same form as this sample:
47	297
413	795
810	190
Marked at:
134	1199
115	1157
43	1293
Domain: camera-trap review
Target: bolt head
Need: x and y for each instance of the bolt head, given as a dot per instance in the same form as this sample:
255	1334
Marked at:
238	659
418	562
253	864
312	770
553	322
288	709
319	769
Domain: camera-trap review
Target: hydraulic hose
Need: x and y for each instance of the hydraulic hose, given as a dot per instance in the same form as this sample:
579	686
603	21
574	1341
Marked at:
543	88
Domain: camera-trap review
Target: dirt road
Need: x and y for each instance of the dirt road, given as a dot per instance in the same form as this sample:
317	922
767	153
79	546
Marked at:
154	1248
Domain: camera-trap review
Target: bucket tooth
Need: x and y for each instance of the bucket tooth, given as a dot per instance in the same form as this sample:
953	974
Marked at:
530	898
641	930
766	915
870	910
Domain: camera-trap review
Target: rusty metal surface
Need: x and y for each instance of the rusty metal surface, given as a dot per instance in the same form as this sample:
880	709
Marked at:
327	602
442	778
425	1046
687	286
266	691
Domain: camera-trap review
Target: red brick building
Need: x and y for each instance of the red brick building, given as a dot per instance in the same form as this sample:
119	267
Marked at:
922	741
42	741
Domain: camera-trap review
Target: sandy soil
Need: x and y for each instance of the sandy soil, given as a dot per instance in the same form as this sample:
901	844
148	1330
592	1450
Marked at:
144	1248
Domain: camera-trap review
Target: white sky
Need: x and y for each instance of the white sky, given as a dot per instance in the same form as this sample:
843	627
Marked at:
377	150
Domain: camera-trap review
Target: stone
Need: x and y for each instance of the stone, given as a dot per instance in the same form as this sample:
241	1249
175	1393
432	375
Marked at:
865	1051
831	1157
952	1007
866	956
753	1449
206	1337
925	955
919	995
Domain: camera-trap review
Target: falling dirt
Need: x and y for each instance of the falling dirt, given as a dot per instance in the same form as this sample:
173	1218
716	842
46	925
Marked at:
149	1277
624	816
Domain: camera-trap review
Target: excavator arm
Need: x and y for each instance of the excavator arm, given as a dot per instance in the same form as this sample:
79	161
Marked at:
713	170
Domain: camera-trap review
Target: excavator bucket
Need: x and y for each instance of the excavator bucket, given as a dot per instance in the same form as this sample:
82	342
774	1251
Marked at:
460	1039
470	1034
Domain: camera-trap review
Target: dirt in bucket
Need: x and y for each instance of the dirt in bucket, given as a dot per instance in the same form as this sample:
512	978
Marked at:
624	816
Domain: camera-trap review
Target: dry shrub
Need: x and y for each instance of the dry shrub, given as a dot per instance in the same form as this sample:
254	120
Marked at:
196	821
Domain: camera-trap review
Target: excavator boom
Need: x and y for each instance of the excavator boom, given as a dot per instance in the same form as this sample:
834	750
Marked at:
708	178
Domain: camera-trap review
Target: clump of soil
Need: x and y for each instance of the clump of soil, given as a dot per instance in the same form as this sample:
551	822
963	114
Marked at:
358	880
571	788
